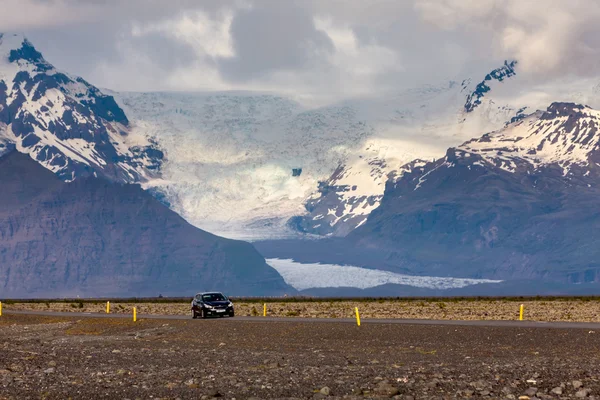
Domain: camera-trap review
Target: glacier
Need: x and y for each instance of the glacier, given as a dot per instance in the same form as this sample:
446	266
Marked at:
316	275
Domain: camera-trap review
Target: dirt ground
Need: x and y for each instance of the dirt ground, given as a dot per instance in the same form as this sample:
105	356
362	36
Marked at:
90	358
535	310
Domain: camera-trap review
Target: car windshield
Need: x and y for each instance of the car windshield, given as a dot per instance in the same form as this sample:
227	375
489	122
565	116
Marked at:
213	297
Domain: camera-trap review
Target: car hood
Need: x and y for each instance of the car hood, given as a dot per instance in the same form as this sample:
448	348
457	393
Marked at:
217	303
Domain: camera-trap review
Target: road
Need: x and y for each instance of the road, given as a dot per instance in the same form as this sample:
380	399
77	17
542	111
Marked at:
488	323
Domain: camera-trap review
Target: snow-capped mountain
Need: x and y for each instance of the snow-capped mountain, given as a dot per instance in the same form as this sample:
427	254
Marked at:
65	123
444	115
255	165
517	203
565	135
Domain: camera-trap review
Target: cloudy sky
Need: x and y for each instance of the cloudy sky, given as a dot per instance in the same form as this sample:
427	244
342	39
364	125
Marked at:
312	49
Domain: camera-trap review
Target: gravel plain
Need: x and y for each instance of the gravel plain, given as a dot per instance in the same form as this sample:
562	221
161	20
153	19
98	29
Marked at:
574	310
87	358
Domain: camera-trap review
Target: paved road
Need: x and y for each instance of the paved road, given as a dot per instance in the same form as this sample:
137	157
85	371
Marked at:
514	324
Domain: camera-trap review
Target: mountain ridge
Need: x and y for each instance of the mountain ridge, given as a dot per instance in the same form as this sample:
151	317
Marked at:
92	237
65	123
514	204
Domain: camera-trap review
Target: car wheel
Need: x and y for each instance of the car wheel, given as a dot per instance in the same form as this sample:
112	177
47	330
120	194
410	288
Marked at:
194	315
231	314
202	314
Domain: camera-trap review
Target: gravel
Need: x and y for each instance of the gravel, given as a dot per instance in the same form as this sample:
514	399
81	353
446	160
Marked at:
59	358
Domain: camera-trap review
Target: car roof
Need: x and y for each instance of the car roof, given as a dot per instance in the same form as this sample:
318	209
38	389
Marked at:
203	293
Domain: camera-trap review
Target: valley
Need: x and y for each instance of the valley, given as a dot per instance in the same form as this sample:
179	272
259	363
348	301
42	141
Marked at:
462	187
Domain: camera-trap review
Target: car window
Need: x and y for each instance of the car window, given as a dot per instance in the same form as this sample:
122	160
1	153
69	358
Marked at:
213	297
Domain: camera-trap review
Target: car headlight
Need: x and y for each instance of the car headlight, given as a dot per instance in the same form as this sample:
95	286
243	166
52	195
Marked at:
207	306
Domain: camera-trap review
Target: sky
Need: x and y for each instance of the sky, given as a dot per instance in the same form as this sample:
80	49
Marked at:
316	50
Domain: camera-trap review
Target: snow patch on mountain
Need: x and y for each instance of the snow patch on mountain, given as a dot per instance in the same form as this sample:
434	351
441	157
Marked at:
345	200
565	134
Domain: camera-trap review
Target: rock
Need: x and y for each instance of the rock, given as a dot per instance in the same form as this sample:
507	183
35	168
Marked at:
583	393
50	370
15	368
116	351
214	393
577	384
557	390
52	364
485	393
531	391
385	389
524	398
433	384
325	391
191	383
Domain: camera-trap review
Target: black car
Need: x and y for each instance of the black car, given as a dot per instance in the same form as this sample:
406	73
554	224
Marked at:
211	304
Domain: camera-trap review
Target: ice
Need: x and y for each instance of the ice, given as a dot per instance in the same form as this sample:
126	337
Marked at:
308	276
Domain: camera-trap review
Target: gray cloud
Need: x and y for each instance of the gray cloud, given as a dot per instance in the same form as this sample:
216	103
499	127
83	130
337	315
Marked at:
316	48
273	36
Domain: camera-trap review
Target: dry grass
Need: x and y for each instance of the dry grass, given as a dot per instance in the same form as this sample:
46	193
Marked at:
583	310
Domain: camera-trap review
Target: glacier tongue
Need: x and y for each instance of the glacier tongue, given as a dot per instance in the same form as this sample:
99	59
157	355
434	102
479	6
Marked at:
308	276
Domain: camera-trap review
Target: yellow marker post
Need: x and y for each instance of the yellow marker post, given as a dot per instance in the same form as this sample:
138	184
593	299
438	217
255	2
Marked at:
357	316
134	314
265	310
108	307
0	308
521	313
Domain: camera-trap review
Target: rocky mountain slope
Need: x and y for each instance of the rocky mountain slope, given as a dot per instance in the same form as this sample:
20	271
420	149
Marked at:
92	237
65	123
429	117
518	203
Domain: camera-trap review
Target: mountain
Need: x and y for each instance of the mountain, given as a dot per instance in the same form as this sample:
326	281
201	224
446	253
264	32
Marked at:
442	114
254	165
483	87
92	237
65	123
518	203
